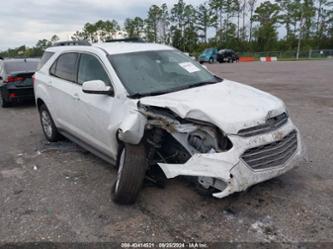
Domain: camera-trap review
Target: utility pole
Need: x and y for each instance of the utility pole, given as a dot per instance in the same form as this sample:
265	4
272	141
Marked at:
300	32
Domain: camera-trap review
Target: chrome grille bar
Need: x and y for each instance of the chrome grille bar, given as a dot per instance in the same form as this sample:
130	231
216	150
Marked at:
273	154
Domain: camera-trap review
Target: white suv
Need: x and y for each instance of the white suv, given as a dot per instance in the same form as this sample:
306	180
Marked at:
140	106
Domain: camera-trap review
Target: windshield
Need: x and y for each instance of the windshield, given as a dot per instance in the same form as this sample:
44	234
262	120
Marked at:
208	51
157	72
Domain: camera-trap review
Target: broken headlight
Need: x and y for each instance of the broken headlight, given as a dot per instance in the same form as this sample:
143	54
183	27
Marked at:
201	141
209	139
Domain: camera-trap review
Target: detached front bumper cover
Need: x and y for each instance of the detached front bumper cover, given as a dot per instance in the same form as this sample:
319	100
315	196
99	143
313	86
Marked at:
233	171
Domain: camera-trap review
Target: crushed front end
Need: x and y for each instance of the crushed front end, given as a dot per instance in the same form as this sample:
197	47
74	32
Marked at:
221	163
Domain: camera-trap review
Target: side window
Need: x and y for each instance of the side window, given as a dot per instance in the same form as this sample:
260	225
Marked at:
65	67
90	68
45	58
53	68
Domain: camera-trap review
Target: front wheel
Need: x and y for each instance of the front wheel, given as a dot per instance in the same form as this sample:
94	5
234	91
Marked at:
132	166
211	61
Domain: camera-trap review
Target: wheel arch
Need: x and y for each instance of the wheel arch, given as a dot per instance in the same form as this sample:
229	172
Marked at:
39	103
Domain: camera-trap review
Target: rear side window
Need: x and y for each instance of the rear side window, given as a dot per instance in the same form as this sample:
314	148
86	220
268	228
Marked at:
65	67
45	58
90	68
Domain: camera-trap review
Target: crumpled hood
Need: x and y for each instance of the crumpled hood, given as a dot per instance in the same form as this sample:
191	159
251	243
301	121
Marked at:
229	105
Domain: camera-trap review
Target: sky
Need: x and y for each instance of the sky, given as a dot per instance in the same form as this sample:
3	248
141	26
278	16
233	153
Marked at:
24	22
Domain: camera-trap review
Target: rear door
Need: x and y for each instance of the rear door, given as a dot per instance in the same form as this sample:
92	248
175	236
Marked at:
63	87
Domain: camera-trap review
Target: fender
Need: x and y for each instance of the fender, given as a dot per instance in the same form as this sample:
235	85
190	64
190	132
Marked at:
132	128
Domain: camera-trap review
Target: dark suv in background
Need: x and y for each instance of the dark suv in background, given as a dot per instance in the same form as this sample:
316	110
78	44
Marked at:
16	80
227	55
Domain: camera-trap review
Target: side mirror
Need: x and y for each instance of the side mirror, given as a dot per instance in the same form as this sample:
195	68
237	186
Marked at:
97	87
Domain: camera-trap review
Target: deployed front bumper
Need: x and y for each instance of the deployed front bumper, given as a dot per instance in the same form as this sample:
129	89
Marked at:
231	169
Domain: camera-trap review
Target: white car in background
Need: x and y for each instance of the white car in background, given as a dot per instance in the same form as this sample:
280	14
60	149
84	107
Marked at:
142	106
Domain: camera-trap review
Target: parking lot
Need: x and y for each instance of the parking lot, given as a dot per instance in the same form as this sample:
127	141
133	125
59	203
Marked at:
59	192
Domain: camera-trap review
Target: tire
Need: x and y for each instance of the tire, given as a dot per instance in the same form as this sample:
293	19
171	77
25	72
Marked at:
132	166
49	129
3	103
211	61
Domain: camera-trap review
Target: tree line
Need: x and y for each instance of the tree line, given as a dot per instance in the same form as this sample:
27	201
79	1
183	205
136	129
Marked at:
244	25
36	51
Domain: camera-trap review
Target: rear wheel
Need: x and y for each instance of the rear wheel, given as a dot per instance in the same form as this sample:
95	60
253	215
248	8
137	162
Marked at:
50	130
132	168
211	61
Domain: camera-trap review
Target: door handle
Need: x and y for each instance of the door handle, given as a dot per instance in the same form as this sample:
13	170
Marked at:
76	97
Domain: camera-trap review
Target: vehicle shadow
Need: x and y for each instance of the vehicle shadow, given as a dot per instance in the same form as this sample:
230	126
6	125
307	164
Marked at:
22	105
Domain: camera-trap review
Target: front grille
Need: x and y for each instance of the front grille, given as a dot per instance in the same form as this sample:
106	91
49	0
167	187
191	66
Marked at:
271	155
270	125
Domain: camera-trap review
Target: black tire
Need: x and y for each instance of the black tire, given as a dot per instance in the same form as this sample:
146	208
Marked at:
49	129
211	61
3	102
132	166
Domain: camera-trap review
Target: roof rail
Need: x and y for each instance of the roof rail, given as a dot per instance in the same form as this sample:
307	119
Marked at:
19	58
71	43
134	39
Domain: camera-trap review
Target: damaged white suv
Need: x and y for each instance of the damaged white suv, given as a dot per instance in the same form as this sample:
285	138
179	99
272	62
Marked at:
142	106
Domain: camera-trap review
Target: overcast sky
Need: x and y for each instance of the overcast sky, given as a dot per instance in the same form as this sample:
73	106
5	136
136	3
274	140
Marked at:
26	21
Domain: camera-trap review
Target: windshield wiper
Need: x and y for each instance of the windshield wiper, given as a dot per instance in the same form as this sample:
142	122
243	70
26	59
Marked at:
203	83
141	95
